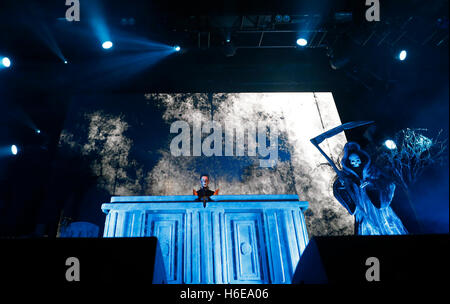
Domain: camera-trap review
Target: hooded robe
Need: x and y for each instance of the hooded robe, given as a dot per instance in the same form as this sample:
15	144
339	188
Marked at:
366	194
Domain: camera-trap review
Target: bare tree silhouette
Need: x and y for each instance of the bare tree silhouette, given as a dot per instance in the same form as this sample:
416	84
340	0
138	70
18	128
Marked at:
413	153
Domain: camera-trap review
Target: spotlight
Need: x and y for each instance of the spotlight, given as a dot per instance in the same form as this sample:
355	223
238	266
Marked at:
14	149
6	62
228	40
278	18
286	18
302	41
390	144
177	48
38	131
107	45
402	55
65	62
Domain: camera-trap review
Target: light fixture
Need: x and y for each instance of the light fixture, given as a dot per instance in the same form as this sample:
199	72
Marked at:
6	62
302	41
390	144
107	45
14	150
402	55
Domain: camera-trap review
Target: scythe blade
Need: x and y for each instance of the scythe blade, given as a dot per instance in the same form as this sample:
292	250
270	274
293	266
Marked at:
330	133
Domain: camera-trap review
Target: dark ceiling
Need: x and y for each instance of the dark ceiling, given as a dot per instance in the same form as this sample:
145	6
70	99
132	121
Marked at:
346	55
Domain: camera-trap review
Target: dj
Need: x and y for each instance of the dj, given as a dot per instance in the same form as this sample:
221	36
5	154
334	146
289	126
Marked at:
204	193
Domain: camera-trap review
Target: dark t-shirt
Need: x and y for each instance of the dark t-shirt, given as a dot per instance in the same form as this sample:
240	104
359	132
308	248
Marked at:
204	192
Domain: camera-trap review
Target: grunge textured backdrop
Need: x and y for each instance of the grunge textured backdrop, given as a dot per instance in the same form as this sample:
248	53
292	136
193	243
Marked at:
124	140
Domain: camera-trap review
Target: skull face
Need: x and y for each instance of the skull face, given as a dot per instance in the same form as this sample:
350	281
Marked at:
355	161
204	181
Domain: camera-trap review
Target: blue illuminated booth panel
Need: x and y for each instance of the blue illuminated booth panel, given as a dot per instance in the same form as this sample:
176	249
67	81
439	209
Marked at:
240	239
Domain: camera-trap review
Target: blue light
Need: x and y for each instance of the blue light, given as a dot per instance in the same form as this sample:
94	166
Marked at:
38	131
107	45
6	62
228	40
302	41
390	144
65	62
14	149
402	55
177	48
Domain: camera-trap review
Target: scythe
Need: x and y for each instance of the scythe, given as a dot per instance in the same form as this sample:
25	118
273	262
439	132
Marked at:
330	133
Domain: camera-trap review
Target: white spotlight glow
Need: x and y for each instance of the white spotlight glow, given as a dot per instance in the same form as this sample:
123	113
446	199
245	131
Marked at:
177	48
302	41
390	144
14	149
107	45
6	62
402	55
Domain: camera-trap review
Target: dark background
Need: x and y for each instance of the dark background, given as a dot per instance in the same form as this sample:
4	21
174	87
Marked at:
36	91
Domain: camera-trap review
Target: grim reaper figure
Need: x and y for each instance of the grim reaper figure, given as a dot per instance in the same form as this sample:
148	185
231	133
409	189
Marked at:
362	189
366	194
